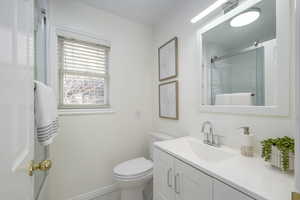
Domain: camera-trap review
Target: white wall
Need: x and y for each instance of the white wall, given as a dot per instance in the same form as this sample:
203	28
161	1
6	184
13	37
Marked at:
297	75
190	118
89	146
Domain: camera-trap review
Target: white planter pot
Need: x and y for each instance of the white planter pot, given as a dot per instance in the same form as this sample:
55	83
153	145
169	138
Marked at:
276	159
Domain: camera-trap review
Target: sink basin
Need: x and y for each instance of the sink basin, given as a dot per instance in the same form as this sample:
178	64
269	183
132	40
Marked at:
209	153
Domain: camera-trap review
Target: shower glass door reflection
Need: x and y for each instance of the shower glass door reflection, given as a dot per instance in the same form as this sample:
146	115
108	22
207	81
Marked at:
241	72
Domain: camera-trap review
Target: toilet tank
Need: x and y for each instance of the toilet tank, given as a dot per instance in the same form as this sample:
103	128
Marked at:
155	137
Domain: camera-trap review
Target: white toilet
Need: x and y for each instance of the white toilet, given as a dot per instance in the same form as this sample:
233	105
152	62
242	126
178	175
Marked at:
133	175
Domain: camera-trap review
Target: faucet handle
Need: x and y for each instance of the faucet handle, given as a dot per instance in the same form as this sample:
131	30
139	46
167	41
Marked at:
246	130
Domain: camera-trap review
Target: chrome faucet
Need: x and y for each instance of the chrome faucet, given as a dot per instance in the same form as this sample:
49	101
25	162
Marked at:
209	137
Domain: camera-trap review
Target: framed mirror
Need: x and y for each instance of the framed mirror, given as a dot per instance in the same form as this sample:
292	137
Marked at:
245	59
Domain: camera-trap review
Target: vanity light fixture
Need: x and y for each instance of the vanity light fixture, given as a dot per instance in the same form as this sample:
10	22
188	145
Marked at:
245	18
208	10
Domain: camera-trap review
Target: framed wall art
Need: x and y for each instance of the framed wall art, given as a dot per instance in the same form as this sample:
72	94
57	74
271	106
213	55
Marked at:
168	100
168	60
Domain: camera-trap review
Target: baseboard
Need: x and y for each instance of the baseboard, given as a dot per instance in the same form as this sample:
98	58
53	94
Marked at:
96	193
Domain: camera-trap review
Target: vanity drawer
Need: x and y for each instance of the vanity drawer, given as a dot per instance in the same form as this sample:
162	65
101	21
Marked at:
225	192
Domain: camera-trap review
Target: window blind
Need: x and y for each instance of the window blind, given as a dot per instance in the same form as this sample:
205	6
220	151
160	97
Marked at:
83	73
82	57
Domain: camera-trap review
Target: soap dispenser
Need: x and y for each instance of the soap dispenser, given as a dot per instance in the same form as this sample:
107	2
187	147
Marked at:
247	146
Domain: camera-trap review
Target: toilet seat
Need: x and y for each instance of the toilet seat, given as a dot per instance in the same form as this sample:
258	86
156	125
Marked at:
133	169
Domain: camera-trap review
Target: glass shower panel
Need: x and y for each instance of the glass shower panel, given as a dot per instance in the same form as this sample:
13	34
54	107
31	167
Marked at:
239	73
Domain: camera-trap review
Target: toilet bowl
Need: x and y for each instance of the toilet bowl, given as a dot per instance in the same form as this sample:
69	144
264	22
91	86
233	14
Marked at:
133	175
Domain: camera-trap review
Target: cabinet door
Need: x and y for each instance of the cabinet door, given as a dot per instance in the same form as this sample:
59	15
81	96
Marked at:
191	184
225	192
163	176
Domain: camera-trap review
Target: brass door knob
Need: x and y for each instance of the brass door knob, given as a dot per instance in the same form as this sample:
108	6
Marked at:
42	166
45	165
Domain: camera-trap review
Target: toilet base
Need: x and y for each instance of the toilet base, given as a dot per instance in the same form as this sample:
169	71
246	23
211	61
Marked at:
132	193
132	189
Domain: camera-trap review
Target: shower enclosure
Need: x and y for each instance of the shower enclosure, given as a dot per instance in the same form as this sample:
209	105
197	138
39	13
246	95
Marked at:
239	72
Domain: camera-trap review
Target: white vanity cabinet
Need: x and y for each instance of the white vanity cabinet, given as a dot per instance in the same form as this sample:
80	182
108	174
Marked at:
176	180
190	183
163	183
224	192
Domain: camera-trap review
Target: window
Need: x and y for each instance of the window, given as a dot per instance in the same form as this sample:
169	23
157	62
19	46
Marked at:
83	74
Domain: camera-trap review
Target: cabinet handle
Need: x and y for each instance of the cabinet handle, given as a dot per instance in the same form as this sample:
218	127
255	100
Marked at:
168	177
177	186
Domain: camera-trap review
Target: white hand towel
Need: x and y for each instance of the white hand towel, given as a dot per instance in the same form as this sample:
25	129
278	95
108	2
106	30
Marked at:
45	113
223	99
242	99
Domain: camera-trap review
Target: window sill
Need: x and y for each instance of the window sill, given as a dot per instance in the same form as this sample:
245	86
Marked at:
64	112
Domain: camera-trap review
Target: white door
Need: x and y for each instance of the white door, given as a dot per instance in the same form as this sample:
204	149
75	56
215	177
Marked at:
191	184
16	98
163	178
224	192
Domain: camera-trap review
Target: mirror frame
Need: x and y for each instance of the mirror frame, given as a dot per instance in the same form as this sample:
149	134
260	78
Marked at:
284	58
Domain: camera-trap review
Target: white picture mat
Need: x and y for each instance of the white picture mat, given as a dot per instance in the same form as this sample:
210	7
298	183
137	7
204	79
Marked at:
167	60
168	100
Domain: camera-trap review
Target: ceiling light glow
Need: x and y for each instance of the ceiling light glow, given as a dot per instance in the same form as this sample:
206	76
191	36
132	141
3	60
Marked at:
245	18
208	10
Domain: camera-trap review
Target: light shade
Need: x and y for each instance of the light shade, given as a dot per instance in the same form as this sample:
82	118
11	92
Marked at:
245	18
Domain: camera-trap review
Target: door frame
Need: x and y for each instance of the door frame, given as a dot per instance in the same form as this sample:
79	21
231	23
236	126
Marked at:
297	94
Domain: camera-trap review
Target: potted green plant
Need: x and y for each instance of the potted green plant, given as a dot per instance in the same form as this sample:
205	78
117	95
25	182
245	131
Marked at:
279	152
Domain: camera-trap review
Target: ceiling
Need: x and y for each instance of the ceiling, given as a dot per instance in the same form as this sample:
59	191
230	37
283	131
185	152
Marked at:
144	11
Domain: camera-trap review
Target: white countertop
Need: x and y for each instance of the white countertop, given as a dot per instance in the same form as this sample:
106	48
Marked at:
252	176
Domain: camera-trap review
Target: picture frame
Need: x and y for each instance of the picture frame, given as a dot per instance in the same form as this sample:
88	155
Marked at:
168	60
168	100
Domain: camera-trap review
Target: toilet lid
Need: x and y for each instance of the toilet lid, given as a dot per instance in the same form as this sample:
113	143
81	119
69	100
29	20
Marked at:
133	167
